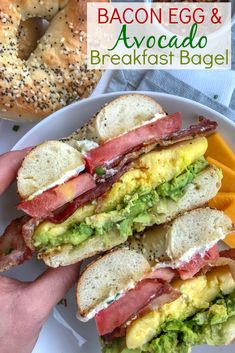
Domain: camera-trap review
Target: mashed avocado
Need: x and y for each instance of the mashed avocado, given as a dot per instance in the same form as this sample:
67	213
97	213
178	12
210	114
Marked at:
134	213
206	327
175	188
214	326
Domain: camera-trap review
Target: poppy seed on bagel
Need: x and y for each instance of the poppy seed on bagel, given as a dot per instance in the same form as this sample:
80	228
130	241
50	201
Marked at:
55	74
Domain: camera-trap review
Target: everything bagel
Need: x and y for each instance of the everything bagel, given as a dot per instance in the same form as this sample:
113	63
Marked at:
29	33
55	73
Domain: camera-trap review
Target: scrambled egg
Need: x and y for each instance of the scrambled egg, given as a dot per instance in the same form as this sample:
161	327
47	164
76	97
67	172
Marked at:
148	172
197	293
153	169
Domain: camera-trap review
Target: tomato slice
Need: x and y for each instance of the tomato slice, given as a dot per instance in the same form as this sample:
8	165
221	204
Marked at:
121	145
119	312
42	205
189	269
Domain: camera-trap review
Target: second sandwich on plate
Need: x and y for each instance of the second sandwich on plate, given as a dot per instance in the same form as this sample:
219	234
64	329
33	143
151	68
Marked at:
165	290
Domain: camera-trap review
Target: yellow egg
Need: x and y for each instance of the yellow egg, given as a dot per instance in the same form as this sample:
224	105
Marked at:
149	171
194	291
57	229
197	293
153	169
174	309
225	279
137	334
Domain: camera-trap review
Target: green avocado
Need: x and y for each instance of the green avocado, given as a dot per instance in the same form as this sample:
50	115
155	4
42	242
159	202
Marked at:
175	188
136	212
207	327
214	326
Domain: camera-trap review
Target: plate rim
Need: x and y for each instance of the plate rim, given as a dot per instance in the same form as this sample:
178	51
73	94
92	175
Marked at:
115	94
76	105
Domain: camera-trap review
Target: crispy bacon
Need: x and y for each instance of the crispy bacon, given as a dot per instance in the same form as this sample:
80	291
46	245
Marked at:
13	250
203	128
230	253
165	274
101	188
226	258
107	153
28	229
117	333
122	164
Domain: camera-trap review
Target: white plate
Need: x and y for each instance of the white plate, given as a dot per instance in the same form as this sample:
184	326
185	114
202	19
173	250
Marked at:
55	338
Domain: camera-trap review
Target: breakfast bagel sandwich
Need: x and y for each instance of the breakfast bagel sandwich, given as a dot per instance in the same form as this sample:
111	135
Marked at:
165	290
131	167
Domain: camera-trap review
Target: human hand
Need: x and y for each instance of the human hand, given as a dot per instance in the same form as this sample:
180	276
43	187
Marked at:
26	306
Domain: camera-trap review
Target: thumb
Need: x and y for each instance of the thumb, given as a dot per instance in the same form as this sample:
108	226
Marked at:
48	289
10	162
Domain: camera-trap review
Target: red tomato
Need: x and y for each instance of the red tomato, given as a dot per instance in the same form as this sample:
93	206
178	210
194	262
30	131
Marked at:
189	269
121	145
119	312
42	205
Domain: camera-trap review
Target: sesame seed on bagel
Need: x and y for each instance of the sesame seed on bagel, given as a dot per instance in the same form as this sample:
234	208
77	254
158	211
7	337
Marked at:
55	74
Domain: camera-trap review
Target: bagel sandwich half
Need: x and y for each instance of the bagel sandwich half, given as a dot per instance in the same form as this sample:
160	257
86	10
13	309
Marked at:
166	290
131	167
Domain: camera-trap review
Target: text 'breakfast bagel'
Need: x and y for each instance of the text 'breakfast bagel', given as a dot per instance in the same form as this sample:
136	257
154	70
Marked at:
55	73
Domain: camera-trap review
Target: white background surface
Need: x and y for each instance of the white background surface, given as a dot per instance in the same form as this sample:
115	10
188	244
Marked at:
55	338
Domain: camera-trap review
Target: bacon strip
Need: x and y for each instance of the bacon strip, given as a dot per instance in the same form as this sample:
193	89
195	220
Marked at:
203	128
228	253
28	229
13	250
122	164
226	258
121	145
165	274
101	188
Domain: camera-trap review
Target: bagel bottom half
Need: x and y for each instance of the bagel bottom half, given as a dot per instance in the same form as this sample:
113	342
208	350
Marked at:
205	186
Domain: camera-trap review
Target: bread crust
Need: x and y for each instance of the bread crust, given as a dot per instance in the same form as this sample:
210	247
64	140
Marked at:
29	33
56	73
139	109
117	274
57	158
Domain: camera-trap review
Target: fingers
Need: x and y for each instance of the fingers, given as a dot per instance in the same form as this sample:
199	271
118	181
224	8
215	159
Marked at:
9	285
10	162
50	288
